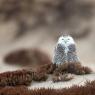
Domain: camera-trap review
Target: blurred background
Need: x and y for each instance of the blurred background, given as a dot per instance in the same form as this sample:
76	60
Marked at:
39	23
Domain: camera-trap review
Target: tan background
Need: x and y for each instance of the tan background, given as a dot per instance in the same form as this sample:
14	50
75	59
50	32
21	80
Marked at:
45	37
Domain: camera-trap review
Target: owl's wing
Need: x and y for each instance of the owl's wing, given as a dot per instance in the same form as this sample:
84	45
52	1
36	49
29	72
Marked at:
72	54
59	54
72	48
60	48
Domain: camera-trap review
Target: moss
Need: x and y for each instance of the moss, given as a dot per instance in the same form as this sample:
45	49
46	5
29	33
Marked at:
20	77
64	77
27	57
73	68
87	89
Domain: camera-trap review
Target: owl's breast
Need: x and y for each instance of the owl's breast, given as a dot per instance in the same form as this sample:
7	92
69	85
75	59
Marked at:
72	48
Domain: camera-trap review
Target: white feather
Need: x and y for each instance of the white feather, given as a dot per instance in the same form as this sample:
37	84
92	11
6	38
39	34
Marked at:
66	41
62	50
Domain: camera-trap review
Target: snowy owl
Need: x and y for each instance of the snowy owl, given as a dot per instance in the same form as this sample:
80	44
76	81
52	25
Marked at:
65	51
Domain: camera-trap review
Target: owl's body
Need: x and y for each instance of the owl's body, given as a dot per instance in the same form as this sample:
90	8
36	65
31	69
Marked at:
65	51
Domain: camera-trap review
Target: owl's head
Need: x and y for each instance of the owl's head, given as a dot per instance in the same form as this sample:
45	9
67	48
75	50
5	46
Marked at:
66	40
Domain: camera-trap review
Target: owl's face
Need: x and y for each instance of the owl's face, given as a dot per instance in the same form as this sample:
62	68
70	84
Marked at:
67	43
66	40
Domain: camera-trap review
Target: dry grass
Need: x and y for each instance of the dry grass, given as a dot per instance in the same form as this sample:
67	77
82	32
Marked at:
20	90
47	68
25	77
16	57
40	76
27	57
20	77
88	89
61	72
64	77
73	68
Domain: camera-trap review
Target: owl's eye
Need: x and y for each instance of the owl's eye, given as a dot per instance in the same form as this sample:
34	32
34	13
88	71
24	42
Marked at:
68	39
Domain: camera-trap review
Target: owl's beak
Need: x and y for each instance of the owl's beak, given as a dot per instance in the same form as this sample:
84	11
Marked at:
65	41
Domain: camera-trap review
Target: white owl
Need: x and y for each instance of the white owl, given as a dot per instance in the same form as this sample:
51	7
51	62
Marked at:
65	50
